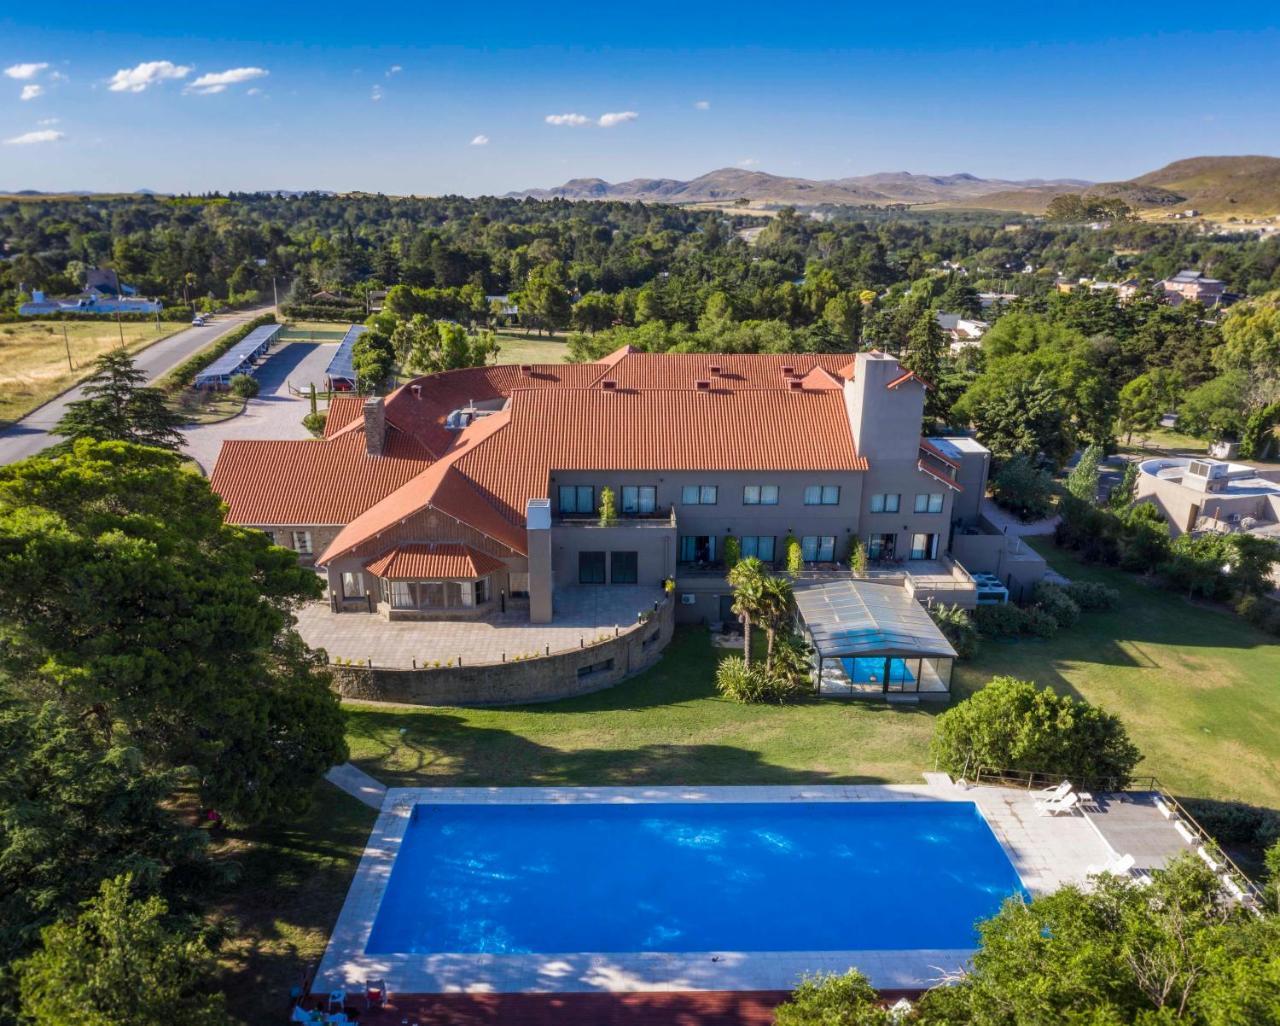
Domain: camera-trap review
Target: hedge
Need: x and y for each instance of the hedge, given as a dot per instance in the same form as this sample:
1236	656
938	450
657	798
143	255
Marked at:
184	374
316	312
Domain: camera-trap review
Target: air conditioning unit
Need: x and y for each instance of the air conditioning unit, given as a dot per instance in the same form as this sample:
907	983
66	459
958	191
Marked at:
688	600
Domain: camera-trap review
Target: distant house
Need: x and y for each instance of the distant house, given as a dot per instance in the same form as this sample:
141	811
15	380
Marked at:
1201	495
375	300
1192	286
962	332
104	294
990	299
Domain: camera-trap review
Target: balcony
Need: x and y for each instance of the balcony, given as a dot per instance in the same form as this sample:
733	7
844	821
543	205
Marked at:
660	518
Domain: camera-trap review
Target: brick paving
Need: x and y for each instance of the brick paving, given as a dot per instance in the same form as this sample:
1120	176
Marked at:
582	615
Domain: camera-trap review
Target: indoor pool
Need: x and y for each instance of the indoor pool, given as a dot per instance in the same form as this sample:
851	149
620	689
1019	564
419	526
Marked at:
867	670
691	876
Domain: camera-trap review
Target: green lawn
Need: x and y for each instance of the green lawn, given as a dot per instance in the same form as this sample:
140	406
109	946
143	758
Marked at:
517	347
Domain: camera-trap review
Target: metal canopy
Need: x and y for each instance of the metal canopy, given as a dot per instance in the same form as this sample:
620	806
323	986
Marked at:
240	356
846	617
340	367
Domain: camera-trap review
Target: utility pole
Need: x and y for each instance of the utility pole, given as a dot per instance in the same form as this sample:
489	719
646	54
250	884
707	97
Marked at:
275	296
66	339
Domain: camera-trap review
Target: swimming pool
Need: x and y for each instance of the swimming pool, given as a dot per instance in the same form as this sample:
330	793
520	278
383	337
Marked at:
511	879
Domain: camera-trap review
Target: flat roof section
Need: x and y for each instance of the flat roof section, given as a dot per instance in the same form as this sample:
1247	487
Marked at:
341	364
252	345
846	617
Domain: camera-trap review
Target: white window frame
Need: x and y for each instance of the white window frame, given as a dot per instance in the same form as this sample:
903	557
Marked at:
301	542
355	578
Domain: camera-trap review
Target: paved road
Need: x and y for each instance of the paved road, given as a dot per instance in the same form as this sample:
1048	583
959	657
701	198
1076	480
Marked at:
275	412
31	434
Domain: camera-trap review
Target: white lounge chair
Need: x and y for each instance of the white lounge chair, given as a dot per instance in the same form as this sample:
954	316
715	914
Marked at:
1117	867
1051	807
1054	794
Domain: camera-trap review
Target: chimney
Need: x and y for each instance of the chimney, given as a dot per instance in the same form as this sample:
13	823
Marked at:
375	425
417	391
526	370
609	385
702	385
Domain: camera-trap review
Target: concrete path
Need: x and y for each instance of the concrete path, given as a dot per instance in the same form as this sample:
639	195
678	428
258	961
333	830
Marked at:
32	433
357	783
274	413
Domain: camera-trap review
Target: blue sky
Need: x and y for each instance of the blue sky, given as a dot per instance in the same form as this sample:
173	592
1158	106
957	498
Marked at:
432	98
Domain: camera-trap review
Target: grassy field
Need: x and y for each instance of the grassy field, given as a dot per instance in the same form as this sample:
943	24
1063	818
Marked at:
33	357
517	347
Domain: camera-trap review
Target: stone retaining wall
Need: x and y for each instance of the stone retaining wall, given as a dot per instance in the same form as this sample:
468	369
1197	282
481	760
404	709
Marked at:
544	679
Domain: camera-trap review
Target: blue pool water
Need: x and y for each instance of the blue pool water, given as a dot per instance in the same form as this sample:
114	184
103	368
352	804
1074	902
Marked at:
865	670
691	877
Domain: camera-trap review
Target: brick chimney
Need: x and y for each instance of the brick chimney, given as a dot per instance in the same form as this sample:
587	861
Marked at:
375	425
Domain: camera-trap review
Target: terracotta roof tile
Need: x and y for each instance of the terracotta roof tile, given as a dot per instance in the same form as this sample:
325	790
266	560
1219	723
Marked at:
737	370
430	562
343	410
283	483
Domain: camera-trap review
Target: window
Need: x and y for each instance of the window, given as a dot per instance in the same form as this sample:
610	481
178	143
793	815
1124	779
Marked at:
882	546
624	567
519	584
639	498
924	546
931	503
822	495
760	495
352	584
818	548
301	542
271	537
881	503
402	595
760	546
699	495
482	590
591	568
577	499
697	548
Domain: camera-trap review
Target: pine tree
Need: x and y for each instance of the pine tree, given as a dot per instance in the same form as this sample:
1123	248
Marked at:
119	408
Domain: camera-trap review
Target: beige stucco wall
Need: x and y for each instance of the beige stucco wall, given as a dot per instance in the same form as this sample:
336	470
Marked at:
535	680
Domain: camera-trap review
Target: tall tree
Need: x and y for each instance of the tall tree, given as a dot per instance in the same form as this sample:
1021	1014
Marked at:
747	580
126	599
123	961
926	350
118	408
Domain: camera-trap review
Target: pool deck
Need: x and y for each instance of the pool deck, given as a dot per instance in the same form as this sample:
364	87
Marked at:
1046	851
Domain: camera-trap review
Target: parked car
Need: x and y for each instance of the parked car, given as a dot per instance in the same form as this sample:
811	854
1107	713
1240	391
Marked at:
197	321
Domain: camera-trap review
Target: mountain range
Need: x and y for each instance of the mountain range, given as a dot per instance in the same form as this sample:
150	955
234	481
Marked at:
731	183
1216	185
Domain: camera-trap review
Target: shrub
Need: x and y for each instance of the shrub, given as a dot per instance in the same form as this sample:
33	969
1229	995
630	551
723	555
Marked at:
732	551
957	627
1023	489
794	553
1013	725
1001	621
245	386
1055	601
314	422
1235	823
1040	623
831	1000
750	684
1092	596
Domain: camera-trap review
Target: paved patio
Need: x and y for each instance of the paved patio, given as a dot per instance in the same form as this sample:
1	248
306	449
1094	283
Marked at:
581	616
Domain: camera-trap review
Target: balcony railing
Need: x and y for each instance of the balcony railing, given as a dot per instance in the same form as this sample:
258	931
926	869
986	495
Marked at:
665	517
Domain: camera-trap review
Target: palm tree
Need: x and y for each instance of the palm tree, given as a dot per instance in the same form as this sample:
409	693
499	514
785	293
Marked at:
747	579
776	605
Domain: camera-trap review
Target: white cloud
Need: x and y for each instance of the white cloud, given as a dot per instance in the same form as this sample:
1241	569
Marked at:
376	94
146	74
217	81
702	105
480	140
748	162
48	121
25	71
31	91
620	117
255	91
567	119
27	139
395	69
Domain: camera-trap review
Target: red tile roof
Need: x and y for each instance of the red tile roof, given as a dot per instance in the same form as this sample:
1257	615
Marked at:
283	483
908	376
432	562
737	370
343	410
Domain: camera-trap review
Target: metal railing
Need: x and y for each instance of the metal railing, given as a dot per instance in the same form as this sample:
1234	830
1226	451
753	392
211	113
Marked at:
1032	780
